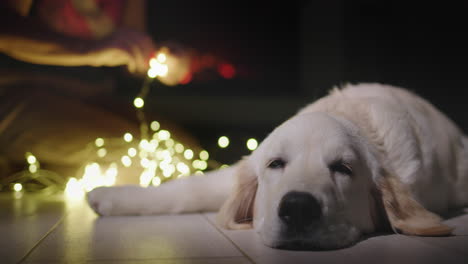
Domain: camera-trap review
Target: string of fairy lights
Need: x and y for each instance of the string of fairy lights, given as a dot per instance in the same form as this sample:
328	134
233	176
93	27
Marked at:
156	155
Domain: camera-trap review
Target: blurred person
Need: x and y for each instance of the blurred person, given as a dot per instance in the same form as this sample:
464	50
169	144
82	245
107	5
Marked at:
55	116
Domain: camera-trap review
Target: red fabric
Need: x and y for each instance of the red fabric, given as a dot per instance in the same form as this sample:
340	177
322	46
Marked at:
63	15
112	8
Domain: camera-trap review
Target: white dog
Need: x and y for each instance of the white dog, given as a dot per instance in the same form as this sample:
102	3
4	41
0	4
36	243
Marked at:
364	158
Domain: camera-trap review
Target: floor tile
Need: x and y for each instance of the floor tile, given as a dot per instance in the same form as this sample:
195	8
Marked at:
459	222
83	237
458	243
455	244
381	249
24	221
232	260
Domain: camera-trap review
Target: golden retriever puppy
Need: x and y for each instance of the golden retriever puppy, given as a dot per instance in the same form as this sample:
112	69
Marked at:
366	157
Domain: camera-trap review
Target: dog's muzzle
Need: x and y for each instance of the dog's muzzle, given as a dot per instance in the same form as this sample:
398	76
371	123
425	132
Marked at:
299	210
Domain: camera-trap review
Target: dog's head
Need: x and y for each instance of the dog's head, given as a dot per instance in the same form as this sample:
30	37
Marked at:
316	183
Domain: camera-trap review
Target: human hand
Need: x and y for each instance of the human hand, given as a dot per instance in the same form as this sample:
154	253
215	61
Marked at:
127	47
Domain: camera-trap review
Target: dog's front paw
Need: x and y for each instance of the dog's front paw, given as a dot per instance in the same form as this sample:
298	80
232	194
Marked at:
102	200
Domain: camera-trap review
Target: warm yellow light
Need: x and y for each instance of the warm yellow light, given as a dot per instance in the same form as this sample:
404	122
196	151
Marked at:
126	161
156	181
167	173
102	152
161	57
143	154
153	62
252	144
195	164
179	148
154	142
164	135
152	73
31	159
223	142
146	177
138	102
183	168
32	168
204	155
202	165
128	137
92	176
74	189
111	175
161	69
99	142
145	163
145	145
157	67
132	152
170	143
17	187
199	164
155	125
188	154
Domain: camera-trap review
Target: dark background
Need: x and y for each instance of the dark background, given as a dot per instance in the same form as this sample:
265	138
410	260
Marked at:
290	53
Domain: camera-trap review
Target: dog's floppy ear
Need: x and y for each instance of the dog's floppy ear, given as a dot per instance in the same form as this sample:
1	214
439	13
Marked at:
404	213
237	211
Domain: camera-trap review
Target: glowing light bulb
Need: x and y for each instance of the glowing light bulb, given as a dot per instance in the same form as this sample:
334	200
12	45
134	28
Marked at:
199	164
169	143
179	148
99	142
183	168
155	125
161	57
223	142
204	155
17	187
145	163
152	73
132	152
126	161
32	168
128	137
74	189
161	69
146	177
153	62
188	154
156	181
252	144
102	152
138	102
164	135
31	159
145	145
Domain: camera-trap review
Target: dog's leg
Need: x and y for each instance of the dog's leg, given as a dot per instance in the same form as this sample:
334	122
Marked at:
191	194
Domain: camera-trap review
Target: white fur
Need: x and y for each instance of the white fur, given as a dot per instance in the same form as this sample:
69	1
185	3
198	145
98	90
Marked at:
373	127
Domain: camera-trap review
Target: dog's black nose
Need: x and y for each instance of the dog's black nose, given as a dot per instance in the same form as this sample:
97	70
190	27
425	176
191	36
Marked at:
299	209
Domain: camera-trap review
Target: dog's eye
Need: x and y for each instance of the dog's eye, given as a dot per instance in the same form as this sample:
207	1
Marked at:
341	167
277	164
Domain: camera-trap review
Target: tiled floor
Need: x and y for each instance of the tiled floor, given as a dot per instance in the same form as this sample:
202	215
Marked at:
47	229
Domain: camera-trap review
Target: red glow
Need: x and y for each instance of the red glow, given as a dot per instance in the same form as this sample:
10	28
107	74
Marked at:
187	78
207	61
227	70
